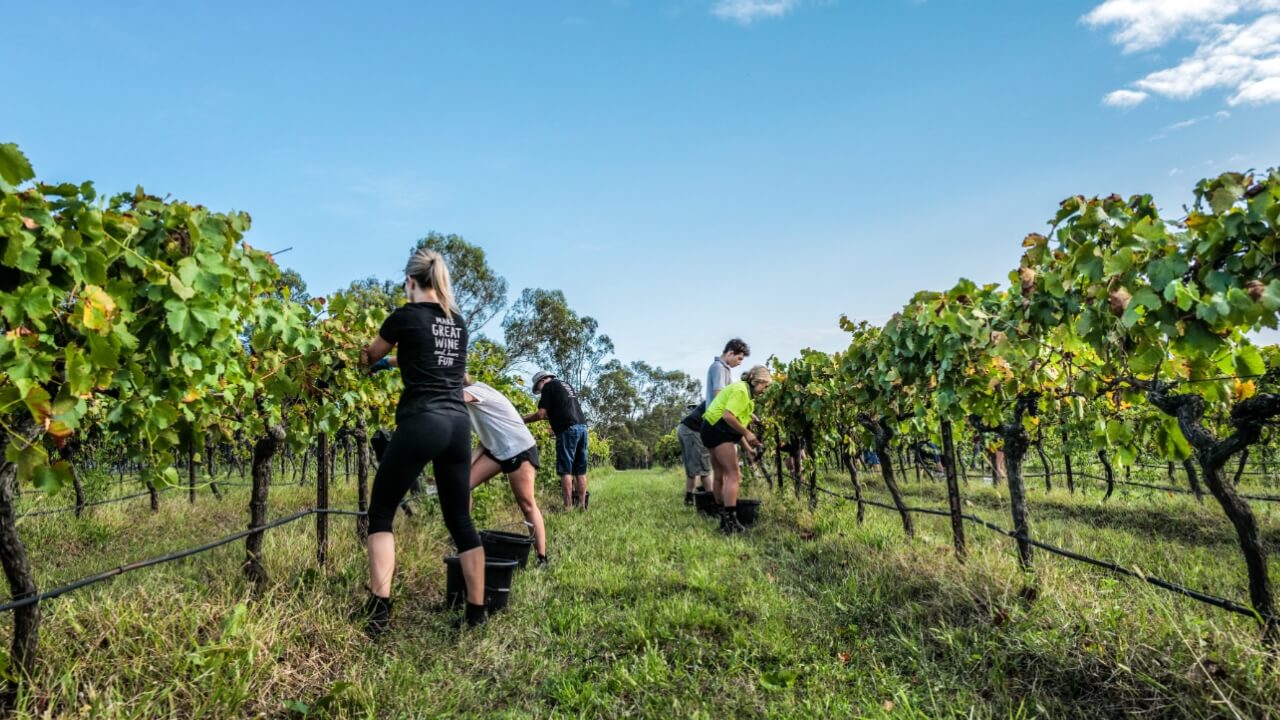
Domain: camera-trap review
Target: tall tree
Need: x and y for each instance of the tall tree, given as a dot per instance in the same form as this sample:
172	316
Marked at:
480	292
542	330
639	401
612	400
372	292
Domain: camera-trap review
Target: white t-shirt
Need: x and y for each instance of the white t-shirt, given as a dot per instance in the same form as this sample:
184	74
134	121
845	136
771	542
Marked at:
501	429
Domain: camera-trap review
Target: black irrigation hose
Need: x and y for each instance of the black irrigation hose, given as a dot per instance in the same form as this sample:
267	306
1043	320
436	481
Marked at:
1214	600
120	570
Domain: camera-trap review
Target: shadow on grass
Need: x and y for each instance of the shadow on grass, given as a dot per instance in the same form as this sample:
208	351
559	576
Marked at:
1186	528
975	629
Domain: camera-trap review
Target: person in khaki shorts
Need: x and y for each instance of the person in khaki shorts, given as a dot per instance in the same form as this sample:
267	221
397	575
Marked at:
697	461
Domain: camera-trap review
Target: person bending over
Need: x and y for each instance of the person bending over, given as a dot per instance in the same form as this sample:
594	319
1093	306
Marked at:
697	461
724	426
559	405
506	446
431	427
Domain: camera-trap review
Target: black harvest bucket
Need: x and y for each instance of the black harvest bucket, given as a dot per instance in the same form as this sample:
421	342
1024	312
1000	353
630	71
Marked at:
498	574
506	545
705	500
748	511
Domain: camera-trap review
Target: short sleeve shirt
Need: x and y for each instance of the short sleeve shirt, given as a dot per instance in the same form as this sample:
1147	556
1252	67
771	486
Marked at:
718	376
561	403
431	350
734	398
502	431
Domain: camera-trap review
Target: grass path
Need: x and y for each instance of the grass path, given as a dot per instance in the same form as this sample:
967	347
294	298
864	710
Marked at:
646	611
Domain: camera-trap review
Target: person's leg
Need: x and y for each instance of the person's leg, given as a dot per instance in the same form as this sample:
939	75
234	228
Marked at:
718	471
483	469
704	463
402	461
478	477
686	459
382	563
580	466
452	471
564	468
522	487
688	456
725	456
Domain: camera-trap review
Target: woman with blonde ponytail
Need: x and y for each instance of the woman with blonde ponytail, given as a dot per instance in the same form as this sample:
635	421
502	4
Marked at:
432	426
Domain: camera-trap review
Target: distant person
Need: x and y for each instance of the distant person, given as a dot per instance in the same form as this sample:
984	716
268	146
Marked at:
720	373
506	446
871	459
431	427
794	448
930	456
724	426
697	461
559	405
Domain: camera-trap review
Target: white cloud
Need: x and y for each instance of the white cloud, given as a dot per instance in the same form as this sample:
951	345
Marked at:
1221	115
1147	24
745	12
1237	47
1175	172
1125	98
1266	90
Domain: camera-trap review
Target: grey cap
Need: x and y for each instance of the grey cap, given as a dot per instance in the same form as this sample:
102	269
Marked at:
539	377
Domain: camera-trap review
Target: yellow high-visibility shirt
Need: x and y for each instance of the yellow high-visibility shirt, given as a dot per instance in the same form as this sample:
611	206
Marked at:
734	398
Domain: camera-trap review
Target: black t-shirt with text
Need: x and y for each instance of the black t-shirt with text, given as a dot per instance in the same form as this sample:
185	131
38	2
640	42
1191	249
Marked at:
431	350
561	403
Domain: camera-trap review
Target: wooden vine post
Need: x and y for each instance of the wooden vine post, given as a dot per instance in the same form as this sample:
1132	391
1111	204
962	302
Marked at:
264	450
361	436
323	468
953	491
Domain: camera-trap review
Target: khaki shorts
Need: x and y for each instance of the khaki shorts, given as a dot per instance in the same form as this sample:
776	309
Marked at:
697	461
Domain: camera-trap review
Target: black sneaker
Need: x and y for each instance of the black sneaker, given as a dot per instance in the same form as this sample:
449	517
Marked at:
377	615
542	561
688	498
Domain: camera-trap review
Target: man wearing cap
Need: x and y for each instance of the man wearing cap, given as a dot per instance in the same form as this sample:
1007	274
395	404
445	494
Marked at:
559	405
697	461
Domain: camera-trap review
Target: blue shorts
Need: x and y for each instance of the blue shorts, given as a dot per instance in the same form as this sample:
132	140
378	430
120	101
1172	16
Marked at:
571	451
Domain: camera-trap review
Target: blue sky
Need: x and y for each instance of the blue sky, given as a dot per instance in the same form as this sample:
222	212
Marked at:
684	170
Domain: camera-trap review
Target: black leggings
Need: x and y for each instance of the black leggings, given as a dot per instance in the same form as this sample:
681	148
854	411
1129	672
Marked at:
444	440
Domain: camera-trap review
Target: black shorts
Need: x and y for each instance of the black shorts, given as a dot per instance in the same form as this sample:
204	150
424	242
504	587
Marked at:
719	434
510	465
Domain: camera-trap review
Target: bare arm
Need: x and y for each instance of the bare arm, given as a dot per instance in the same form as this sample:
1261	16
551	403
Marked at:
533	417
732	421
375	351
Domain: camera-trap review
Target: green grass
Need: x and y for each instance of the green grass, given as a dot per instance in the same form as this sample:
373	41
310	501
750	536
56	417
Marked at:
647	611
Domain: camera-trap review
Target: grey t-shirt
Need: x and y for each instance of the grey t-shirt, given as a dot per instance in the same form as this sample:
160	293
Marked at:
718	375
502	431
